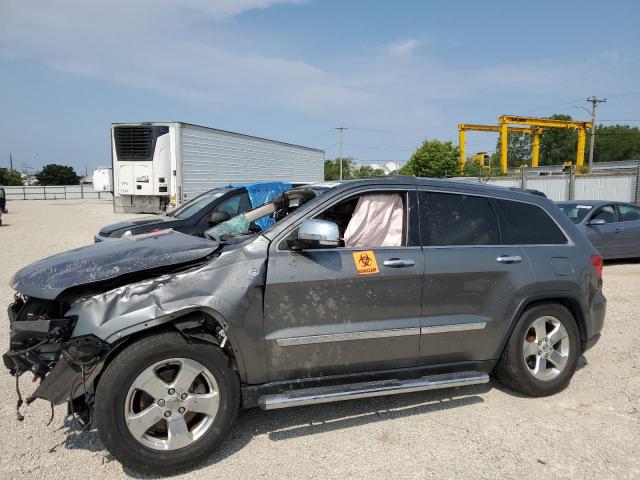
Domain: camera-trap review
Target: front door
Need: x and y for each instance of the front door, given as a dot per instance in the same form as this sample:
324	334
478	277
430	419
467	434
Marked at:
472	283
606	237
343	310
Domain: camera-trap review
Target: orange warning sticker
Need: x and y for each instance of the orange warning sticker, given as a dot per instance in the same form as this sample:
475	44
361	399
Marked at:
366	263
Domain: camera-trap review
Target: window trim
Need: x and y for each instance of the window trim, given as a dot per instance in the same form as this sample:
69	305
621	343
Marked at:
599	208
406	189
570	242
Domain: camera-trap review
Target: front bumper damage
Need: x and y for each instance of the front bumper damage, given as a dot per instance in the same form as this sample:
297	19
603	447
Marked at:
40	344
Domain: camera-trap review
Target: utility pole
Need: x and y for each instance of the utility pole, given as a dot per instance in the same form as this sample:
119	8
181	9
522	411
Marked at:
594	104
341	129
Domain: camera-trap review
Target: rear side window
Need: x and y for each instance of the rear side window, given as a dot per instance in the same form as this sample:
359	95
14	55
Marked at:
452	219
529	224
629	213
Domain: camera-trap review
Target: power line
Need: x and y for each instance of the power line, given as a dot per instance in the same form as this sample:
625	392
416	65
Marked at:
618	120
366	147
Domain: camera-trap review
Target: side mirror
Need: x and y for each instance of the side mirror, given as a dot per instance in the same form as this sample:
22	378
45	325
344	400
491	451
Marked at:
218	217
596	221
316	234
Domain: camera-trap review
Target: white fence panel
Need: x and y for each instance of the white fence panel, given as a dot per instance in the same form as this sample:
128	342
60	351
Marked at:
554	188
505	182
63	192
587	187
606	187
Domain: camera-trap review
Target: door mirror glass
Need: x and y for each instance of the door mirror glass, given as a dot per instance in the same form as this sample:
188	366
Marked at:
597	221
218	217
316	234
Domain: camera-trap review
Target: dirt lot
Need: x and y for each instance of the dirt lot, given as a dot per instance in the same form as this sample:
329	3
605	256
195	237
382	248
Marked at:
591	430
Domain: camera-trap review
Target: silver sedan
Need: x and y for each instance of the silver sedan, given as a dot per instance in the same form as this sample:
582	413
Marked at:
612	227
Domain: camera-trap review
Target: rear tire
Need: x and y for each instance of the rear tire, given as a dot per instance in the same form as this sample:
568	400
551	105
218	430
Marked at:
542	353
165	379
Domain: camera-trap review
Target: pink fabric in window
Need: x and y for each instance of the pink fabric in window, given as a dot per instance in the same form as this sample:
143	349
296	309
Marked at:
376	222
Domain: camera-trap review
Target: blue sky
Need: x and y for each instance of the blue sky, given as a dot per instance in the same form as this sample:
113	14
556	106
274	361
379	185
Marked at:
394	72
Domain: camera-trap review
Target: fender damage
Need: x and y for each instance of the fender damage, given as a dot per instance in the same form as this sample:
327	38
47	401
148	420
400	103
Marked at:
62	298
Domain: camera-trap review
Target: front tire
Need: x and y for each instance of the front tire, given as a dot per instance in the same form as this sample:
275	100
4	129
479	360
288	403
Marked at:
542	353
164	405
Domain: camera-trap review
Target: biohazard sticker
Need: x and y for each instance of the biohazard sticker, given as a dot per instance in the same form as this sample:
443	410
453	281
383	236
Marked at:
366	263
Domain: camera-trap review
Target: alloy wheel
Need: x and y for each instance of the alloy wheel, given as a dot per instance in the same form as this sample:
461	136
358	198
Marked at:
546	348
172	404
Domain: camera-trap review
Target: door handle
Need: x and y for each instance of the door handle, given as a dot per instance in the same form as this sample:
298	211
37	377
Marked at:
509	259
618	230
398	263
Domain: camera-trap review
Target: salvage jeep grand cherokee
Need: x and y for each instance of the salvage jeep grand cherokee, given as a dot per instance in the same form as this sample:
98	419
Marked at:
374	287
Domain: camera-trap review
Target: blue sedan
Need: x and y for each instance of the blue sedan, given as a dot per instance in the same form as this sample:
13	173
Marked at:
612	227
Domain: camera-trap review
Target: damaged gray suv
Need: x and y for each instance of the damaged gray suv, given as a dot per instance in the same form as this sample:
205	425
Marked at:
361	288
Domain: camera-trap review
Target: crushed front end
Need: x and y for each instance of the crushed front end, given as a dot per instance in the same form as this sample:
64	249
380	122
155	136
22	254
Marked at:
41	343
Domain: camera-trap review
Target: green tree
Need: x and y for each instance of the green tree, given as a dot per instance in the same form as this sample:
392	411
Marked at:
558	145
9	177
53	174
433	159
615	143
364	171
518	149
332	168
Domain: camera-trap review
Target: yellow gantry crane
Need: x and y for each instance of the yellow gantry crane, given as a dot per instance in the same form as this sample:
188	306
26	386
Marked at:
506	121
463	128
533	126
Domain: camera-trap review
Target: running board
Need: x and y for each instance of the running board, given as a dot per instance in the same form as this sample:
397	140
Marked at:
336	393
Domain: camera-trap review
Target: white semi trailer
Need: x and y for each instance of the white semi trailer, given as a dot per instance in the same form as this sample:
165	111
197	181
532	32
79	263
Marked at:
103	179
160	165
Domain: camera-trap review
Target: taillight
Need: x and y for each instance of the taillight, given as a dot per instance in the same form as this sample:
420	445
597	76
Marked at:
598	264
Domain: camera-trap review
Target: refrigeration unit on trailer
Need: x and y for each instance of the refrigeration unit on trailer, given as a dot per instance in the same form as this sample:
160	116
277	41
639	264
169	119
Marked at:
158	166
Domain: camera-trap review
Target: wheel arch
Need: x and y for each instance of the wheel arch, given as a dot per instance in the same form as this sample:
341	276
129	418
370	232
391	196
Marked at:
198	325
565	298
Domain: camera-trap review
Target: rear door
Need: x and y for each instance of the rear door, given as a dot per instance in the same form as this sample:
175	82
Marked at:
343	310
472	283
607	237
629	215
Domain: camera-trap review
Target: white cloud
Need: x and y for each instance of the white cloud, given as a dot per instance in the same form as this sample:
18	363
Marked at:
188	50
403	48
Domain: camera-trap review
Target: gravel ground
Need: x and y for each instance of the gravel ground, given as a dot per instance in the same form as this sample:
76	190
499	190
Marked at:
591	430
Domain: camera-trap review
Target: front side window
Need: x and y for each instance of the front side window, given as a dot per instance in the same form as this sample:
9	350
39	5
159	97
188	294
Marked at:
629	213
234	205
195	205
449	219
369	220
606	213
530	224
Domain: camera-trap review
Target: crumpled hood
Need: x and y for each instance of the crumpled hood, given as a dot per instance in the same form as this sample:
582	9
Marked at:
97	262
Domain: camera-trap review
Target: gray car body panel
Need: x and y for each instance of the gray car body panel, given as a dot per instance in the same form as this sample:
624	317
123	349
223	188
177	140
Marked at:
299	314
